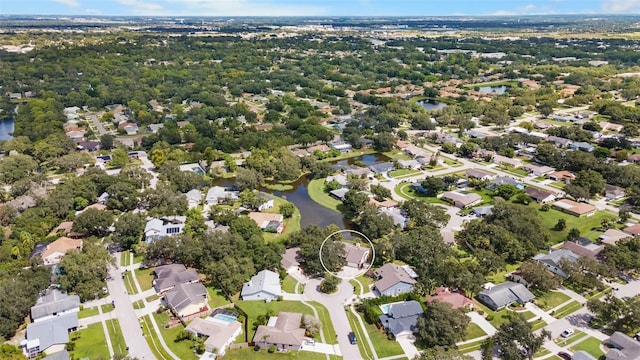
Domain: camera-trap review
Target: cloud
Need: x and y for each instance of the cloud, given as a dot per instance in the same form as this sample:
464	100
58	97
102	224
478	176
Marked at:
139	7
529	9
245	8
620	6
68	2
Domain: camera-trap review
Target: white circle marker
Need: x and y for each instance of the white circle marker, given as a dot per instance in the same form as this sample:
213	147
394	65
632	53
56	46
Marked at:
362	271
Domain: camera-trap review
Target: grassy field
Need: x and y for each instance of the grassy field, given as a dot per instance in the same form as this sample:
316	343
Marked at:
183	348
216	297
255	308
250	354
403	172
472	346
590	345
550	299
568	309
145	278
291	224
278	187
129	284
589	227
474	331
88	312
397	154
91	343
381	344
499	277
117	339
317	194
327	326
289	284
106	308
124	258
501	316
405	191
152	339
363	346
138	304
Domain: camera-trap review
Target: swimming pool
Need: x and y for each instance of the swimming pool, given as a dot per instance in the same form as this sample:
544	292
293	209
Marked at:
385	308
223	317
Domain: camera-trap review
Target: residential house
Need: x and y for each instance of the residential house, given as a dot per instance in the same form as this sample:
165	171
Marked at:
186	299
482	211
269	201
168	276
633	230
401	319
506	161
290	259
539	195
217	195
342	147
218	331
499	296
193	167
264	286
559	141
194	198
553	260
575	208
50	336
583	247
410	164
462	200
622	347
479	174
159	228
612	236
539	170
382	204
502	180
322	148
154	128
129	128
453	298
582	355
563	175
613	192
103	198
339	193
358	171
60	355
54	303
381	167
268	222
357	256
90	146
396	214
477	134
282	331
54	251
583	146
339	178
634	158
394	279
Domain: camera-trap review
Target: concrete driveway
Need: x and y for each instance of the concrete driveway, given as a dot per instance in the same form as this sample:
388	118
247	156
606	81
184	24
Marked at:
335	305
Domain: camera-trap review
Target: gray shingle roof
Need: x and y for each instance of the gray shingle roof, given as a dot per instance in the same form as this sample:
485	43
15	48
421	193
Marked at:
402	317
54	301
264	281
168	276
507	293
555	257
183	295
52	331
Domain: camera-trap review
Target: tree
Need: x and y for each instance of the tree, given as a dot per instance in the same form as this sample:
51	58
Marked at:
251	199
329	284
517	335
230	273
449	148
123	196
16	167
441	325
355	202
538	276
248	179
380	192
310	239
287	209
158	157
591	180
93	222
577	192
374	224
384	142
311	325
433	185
128	230
85	272
119	158
422	214
546	108
560	225
573	234
106	141
506	191
356	183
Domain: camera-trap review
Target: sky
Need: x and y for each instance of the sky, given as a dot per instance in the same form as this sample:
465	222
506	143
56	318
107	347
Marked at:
317	7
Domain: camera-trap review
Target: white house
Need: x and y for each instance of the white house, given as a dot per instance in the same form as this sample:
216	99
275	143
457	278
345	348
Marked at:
194	198
264	286
158	228
54	303
268	203
218	194
218	330
553	260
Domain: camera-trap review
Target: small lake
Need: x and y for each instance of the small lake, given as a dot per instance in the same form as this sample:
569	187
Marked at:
6	129
312	213
496	89
431	105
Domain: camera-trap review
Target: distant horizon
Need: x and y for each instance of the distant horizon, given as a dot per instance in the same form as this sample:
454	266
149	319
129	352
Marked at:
318	8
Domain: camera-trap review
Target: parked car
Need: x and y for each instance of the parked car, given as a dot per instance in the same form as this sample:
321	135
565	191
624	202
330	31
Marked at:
564	355
352	338
567	333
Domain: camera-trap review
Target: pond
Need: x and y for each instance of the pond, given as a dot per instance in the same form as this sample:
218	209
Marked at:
431	105
6	129
496	89
310	211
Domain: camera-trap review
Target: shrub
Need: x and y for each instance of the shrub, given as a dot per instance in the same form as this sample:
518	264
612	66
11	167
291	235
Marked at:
489	317
256	348
271	349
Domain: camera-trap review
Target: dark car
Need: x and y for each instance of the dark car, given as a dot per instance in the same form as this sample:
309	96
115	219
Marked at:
564	355
352	338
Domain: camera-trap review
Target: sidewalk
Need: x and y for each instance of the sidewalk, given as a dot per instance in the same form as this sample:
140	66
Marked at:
479	320
540	313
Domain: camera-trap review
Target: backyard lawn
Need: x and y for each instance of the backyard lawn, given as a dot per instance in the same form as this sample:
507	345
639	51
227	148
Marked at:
250	354
289	284
145	278
216	297
550	299
474	331
589	227
499	278
256	308
381	344
90	343
117	339
182	348
291	224
317	194
590	345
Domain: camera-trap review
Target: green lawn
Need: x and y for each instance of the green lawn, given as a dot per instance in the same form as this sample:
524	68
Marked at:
138	258
405	191
590	345
538	324
381	344
550	299
88	312
145	278
577	335
278	187
317	194
291	224
107	308
152	339
129	284
117	339
589	227
363	345
255	308
363	280
597	294
571	307
216	297
473	346
499	277
289	284
181	349
515	171
90	343
124	258
250	354
138	304
497	318
397	154
474	331
403	172
327	326
152	297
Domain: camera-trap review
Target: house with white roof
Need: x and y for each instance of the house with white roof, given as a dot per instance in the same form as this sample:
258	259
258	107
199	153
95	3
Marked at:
54	303
218	194
553	260
159	228
264	286
49	336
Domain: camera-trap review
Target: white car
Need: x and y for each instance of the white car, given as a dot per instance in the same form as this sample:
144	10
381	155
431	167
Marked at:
567	333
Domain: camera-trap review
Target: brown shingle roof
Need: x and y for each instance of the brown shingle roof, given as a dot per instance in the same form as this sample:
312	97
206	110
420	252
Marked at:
391	274
286	331
63	245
